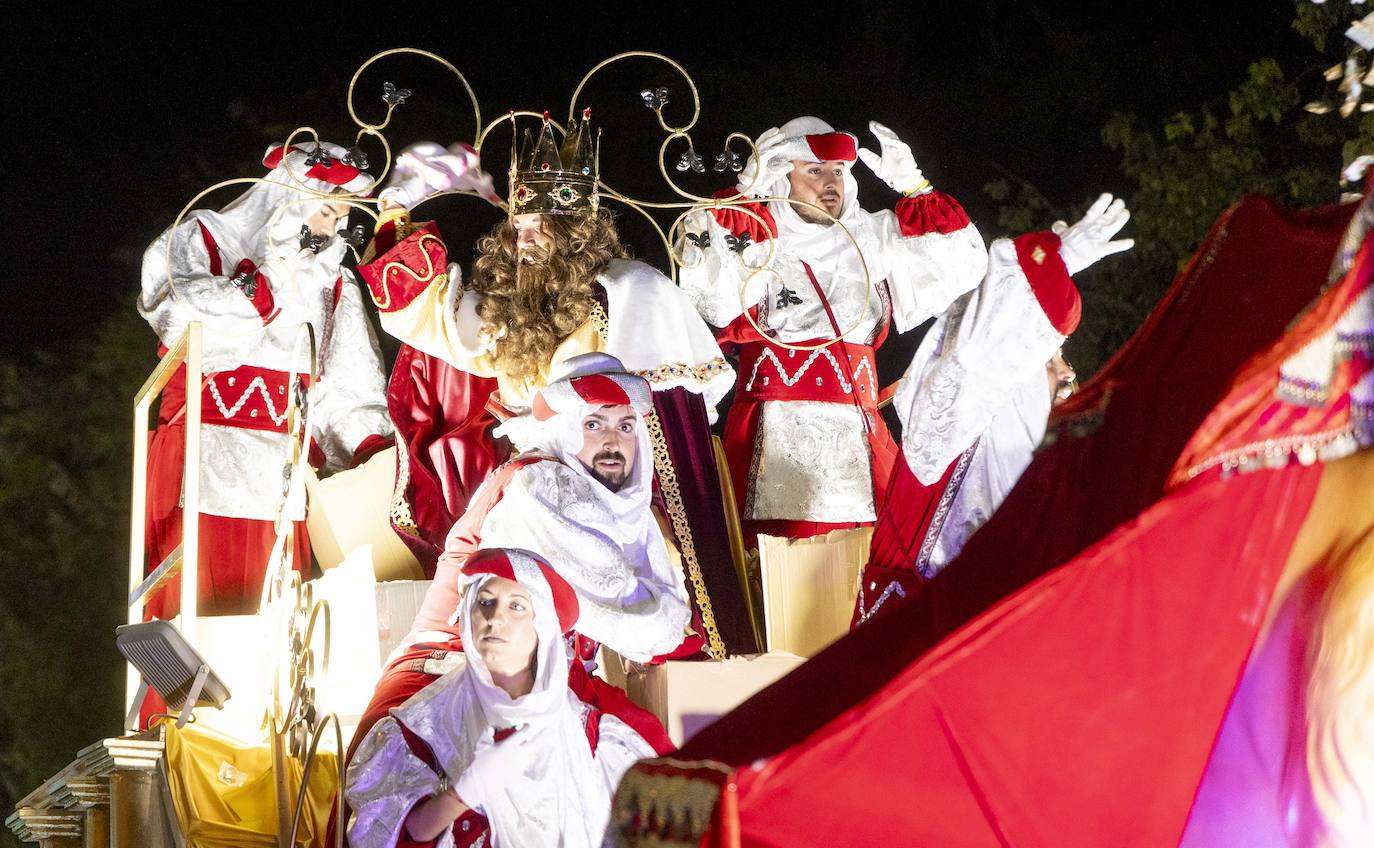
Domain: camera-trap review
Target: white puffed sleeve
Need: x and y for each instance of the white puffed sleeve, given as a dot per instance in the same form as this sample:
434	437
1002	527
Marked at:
350	398
989	343
623	602
197	286
933	254
385	781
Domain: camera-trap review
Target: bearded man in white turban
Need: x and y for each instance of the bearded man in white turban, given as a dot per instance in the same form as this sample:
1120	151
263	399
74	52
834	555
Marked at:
808	451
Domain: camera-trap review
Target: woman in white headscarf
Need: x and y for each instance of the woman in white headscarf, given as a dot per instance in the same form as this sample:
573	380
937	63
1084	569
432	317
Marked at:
500	743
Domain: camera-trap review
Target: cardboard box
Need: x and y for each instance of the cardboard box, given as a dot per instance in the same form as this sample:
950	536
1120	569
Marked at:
351	509
689	695
809	588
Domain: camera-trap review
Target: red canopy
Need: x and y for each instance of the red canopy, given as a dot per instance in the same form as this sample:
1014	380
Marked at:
1062	682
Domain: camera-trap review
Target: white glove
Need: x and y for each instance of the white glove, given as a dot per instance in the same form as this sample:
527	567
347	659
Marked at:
494	765
1089	239
896	166
757	180
425	168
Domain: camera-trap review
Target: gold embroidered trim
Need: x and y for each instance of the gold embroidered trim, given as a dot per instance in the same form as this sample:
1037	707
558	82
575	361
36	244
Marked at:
702	373
662	810
401	516
429	277
601	320
677	514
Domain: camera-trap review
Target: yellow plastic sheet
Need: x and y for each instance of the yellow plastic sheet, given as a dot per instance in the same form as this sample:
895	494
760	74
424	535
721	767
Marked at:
225	795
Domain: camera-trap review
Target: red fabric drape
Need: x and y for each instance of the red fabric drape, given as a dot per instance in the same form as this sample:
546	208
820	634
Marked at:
441	418
1061	681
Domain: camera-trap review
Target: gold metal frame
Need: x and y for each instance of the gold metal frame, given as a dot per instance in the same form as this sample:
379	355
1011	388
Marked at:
188	350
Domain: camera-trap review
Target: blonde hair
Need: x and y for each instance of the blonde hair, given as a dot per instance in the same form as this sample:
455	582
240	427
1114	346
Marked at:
531	308
1340	696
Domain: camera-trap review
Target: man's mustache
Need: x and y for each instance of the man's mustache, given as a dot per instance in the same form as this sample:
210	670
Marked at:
609	455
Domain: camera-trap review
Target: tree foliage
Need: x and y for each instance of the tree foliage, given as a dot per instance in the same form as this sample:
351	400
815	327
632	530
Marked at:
1255	137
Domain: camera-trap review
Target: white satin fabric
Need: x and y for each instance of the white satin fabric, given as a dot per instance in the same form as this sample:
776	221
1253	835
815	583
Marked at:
241	473
979	375
606	544
869	272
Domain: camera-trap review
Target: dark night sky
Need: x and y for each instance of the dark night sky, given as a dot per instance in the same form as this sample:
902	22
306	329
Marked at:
115	121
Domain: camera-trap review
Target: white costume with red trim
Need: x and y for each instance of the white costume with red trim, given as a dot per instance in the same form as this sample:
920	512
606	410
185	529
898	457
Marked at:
976	393
243	273
975	401
549	782
805	442
605	543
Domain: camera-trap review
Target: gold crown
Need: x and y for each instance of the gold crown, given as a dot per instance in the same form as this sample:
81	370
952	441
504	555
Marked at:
554	181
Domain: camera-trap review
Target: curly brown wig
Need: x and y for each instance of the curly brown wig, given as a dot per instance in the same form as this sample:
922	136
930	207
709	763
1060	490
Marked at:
530	308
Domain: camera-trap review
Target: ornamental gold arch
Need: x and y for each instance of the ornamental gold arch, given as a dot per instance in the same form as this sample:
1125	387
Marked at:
688	203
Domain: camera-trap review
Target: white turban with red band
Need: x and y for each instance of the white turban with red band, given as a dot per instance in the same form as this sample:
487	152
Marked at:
541	785
334	170
809	139
577	387
264	223
825	247
588	381
534	573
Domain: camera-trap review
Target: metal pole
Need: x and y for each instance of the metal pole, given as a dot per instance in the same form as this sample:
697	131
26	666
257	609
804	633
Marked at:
190	513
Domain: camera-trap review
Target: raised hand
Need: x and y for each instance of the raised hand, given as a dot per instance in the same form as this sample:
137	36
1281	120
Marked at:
425	169
1090	238
770	164
895	165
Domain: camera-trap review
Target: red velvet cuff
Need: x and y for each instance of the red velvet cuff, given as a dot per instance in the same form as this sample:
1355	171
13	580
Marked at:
932	212
736	221
1038	254
316	456
256	288
396	277
373	444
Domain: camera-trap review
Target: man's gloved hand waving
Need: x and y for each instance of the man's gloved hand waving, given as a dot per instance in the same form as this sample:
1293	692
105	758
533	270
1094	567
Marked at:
770	164
895	165
1090	238
425	168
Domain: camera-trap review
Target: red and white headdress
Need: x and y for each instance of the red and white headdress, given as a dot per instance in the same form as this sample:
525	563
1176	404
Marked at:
326	163
534	573
810	139
591	380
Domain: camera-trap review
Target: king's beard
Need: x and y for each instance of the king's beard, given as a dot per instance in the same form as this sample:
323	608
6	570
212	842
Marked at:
532	308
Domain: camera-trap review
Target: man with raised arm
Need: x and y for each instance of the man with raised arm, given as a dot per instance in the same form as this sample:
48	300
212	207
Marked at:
253	273
808	451
975	401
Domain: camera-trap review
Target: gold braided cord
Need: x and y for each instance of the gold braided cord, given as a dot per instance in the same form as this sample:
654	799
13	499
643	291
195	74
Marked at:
677	514
401	515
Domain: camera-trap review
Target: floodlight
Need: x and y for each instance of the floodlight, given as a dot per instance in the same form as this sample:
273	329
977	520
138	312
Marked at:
168	663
